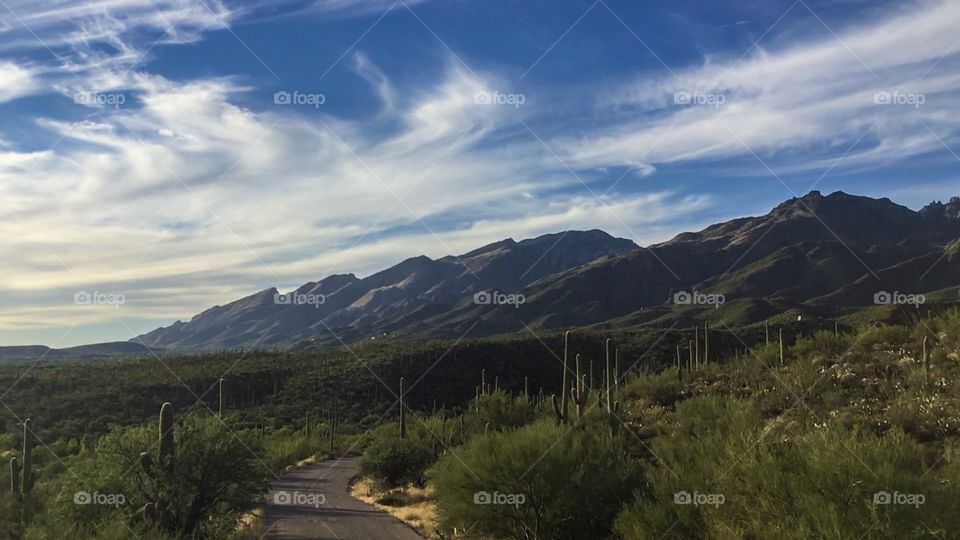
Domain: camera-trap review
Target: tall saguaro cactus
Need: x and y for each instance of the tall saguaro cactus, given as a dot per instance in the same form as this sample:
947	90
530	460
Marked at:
223	398
167	444
576	393
780	335
403	410
26	469
706	343
14	476
561	408
696	346
152	511
607	373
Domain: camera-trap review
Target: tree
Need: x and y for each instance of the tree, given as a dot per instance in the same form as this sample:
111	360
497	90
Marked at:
212	483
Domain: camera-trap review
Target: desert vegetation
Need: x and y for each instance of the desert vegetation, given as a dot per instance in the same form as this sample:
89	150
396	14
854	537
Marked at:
838	431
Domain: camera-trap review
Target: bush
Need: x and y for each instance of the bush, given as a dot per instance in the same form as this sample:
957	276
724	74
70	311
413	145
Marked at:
214	480
654	388
394	461
503	411
562	484
818	484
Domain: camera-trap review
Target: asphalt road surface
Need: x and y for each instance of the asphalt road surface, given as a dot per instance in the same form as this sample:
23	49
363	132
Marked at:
314	503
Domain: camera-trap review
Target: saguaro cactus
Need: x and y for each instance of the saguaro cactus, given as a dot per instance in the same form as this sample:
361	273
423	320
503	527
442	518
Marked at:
780	335
167	444
577	392
14	476
403	410
696	346
223	398
607	374
706	343
26	470
561	408
679	365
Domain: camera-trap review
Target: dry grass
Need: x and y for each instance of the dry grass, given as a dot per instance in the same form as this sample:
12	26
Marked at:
251	524
419	508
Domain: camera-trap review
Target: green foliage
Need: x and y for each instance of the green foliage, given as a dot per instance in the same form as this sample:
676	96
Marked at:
503	411
654	388
202	496
393	461
820	484
563	484
821	345
286	446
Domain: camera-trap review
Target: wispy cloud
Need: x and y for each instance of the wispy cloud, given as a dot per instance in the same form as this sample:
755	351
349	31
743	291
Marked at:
818	97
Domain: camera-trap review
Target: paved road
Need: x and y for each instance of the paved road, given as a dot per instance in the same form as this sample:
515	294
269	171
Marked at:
292	511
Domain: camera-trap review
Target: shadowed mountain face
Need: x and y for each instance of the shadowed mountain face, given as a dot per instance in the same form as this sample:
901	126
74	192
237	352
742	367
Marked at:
398	298
818	254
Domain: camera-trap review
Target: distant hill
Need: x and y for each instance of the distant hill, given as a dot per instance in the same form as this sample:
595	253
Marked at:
99	350
817	255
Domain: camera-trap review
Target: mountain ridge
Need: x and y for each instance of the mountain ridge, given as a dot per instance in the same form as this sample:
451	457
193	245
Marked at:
820	254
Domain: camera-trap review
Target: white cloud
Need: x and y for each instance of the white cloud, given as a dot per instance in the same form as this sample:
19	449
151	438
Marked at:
16	81
351	8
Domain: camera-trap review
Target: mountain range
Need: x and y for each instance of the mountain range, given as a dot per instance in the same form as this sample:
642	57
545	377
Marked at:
820	255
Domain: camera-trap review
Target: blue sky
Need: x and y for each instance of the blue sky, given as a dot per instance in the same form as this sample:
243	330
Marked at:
181	154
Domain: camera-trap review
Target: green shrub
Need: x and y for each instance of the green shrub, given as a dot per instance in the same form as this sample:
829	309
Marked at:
654	388
214	480
393	461
503	411
556	484
821	345
818	484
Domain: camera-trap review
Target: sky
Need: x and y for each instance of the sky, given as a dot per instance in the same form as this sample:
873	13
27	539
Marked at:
159	157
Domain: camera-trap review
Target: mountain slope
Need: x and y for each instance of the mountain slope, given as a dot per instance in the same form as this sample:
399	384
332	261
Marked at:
821	255
389	300
832	253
